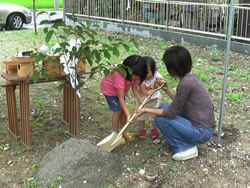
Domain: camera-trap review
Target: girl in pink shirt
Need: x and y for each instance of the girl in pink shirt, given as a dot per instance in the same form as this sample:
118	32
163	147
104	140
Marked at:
116	85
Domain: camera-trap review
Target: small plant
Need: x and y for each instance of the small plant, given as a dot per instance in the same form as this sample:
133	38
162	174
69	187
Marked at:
209	88
137	164
174	167
33	183
34	165
148	124
25	185
165	46
46	121
235	97
40	103
59	179
215	55
203	76
232	67
149	152
213	69
203	56
53	185
236	86
243	74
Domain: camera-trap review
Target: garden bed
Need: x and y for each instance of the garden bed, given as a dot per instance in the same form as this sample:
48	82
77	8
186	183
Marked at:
224	166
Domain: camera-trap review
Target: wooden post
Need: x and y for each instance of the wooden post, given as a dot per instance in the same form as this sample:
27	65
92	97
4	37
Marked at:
73	112
66	101
25	115
12	113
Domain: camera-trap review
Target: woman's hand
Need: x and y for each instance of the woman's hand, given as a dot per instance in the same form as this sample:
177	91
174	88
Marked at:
139	112
159	83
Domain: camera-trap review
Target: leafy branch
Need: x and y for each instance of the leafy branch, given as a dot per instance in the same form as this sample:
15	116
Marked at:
86	45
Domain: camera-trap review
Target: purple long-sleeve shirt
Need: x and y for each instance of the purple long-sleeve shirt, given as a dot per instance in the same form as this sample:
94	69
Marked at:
193	99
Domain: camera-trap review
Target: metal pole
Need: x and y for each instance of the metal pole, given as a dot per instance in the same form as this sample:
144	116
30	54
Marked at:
167	13
88	8
229	34
122	9
64	9
34	16
56	4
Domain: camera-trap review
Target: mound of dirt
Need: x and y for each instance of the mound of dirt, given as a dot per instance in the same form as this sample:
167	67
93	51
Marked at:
79	163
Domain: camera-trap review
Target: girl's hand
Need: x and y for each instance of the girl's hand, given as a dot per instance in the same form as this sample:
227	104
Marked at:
150	92
128	117
143	98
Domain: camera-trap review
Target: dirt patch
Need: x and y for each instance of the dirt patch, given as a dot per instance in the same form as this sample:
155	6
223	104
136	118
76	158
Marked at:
226	165
80	163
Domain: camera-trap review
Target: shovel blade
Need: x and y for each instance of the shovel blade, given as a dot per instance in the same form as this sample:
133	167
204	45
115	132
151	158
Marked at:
106	143
115	143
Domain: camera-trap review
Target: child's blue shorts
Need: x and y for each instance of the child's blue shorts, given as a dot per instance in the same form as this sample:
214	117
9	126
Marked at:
114	104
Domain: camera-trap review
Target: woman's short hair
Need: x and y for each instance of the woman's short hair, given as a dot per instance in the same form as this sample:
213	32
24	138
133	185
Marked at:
151	63
178	61
138	66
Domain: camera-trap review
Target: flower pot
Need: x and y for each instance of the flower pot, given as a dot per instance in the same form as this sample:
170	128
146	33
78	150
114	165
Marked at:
10	67
51	68
25	65
25	70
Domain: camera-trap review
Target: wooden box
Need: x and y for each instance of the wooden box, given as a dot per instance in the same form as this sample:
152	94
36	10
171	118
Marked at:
52	68
10	67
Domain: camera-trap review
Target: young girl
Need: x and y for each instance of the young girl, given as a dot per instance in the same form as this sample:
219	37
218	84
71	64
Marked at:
116	86
189	119
146	88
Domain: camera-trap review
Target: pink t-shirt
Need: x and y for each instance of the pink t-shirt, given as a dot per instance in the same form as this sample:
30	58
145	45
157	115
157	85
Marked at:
110	84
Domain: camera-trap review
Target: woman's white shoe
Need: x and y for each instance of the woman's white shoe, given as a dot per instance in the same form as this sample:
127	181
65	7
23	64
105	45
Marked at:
185	155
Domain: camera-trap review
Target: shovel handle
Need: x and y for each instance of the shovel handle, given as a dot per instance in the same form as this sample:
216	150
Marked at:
143	103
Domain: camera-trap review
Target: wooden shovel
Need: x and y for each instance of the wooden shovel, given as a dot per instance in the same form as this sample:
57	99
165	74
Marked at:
114	139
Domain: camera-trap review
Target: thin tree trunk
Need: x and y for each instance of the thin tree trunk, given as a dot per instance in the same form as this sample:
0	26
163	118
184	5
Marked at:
34	15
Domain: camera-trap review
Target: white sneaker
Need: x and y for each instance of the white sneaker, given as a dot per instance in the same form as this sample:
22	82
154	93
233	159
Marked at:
188	154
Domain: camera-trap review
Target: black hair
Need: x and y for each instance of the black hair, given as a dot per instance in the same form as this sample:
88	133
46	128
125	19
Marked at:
151	63
178	61
137	65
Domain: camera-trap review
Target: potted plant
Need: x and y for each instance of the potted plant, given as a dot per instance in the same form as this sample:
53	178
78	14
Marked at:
79	46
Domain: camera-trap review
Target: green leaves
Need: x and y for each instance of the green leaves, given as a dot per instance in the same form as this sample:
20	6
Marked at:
106	72
126	47
106	54
57	25
136	44
44	22
39	57
42	12
36	76
49	35
88	23
122	69
116	51
52	14
99	54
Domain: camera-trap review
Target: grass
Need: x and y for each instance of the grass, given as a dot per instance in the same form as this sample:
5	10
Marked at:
40	4
235	97
215	55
